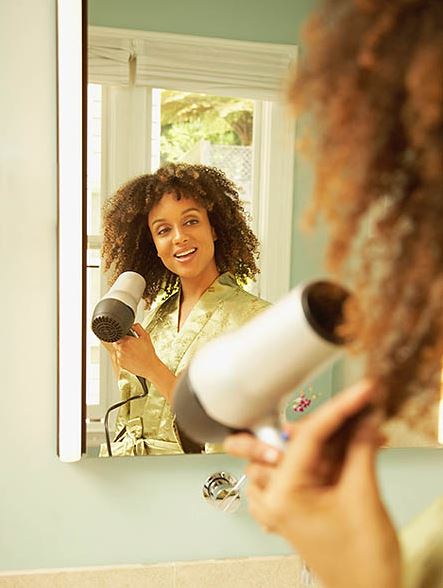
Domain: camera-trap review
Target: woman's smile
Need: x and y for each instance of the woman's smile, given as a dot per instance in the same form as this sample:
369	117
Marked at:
185	255
184	237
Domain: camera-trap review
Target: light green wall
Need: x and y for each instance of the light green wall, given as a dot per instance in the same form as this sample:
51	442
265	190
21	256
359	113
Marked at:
267	21
96	512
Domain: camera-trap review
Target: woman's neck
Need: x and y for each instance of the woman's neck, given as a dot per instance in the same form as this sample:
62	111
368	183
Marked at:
193	288
191	292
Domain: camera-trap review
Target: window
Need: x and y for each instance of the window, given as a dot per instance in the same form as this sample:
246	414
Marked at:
198	112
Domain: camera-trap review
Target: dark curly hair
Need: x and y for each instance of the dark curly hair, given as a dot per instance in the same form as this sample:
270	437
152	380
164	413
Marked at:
127	240
373	81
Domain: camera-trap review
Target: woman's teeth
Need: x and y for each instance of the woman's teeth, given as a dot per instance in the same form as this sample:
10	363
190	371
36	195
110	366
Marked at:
185	253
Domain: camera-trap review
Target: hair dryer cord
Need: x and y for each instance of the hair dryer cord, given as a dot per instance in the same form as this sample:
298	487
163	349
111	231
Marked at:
121	403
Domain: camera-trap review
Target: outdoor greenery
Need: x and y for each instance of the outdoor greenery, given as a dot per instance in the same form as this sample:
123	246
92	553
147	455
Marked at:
187	118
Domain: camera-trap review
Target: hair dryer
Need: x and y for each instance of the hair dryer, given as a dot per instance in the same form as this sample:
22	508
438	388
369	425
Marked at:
237	381
113	318
114	314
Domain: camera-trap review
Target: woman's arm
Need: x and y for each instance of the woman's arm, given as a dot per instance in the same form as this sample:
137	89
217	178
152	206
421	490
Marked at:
112	354
328	507
137	355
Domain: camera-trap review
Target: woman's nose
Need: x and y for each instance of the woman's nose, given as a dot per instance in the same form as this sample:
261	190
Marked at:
180	235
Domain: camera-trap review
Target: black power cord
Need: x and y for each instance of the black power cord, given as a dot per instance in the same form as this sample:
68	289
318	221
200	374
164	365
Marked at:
121	403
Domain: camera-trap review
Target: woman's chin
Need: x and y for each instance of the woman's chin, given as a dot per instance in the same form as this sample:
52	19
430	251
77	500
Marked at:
187	272
194	273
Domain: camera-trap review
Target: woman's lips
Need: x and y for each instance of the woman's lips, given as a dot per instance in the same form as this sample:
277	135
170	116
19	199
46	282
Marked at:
185	255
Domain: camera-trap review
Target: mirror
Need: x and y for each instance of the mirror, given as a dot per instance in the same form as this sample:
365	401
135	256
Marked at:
129	72
141	92
158	98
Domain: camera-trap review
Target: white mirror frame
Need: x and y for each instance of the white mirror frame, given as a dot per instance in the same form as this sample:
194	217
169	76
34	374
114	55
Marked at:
70	228
275	230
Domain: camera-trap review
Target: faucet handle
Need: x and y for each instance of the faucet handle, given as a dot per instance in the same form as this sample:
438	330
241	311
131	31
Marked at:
222	490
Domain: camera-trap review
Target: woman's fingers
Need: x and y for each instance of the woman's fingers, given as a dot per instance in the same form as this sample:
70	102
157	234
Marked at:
259	474
249	447
315	455
318	429
317	449
139	330
334	413
259	508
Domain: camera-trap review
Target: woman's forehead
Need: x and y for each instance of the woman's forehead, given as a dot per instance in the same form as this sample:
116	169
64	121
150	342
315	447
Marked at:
171	203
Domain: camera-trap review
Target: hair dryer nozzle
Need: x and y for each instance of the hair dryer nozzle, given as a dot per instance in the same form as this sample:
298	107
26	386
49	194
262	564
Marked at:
323	304
192	418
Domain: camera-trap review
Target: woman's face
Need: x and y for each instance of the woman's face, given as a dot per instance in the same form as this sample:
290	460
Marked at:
183	237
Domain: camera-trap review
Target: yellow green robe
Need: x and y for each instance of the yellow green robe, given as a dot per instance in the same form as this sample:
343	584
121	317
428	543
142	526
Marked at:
422	547
150	426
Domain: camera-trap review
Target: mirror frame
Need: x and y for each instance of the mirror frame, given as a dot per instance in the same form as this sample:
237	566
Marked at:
71	214
72	78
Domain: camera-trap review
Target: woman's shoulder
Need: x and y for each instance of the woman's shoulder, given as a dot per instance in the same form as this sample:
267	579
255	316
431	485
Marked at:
160	306
248	299
243	303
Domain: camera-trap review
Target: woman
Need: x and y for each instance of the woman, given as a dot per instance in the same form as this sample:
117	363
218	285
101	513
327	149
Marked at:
184	229
373	79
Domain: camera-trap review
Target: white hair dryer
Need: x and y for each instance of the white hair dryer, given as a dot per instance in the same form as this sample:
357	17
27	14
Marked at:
237	381
115	313
113	318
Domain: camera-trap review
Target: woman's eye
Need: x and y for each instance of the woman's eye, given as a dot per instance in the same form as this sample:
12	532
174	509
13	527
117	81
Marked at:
163	231
191	221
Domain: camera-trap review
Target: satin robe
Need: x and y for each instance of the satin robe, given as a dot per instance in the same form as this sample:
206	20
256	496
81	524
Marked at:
148	423
422	548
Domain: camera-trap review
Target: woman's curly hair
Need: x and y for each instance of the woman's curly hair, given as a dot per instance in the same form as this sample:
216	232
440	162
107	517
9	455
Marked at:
373	82
127	240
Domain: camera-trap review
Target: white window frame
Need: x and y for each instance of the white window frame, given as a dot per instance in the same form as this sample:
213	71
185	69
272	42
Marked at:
202	64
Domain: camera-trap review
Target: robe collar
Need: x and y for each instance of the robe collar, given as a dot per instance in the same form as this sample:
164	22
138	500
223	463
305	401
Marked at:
222	288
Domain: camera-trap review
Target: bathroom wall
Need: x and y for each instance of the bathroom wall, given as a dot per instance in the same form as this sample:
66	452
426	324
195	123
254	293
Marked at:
106	512
249	20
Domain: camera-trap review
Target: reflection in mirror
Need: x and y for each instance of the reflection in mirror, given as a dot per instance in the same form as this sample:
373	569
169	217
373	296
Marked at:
143	114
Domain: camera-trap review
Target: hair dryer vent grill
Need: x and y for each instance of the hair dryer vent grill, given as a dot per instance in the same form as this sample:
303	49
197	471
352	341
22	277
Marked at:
107	328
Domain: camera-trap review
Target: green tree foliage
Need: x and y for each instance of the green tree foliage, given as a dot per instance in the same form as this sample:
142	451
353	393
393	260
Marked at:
187	118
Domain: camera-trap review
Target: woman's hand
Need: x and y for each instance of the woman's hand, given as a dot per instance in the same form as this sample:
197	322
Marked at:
324	499
137	355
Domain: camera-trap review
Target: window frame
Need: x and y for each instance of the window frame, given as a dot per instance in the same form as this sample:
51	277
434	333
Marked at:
274	124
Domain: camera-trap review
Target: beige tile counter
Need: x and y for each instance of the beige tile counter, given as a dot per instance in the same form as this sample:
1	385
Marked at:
257	572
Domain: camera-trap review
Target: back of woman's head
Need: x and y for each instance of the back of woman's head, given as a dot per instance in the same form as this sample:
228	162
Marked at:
373	79
128	243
